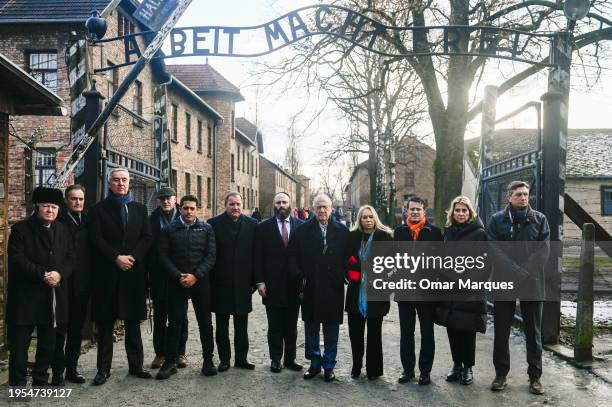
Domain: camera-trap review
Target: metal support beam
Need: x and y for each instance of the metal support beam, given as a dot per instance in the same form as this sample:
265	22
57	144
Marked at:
554	152
80	149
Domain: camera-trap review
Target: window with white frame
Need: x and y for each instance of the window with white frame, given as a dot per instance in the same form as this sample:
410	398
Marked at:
43	67
44	166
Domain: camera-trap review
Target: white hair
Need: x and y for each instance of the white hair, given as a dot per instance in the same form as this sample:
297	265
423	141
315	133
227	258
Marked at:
321	197
114	170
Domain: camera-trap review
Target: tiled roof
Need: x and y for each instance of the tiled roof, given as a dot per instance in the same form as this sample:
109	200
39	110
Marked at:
25	92
362	164
204	78
250	131
279	169
589	151
247	128
12	11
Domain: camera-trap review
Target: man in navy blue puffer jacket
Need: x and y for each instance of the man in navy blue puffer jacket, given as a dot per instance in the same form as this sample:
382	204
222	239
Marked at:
187	252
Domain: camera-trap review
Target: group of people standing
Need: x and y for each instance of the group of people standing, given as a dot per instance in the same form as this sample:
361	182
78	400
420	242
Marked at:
116	252
462	319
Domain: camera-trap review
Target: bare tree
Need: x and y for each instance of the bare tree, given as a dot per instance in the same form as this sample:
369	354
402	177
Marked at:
378	99
293	161
446	82
333	179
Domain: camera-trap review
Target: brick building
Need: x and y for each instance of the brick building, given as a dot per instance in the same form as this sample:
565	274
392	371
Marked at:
236	143
274	180
249	146
192	124
37	36
303	192
414	175
21	95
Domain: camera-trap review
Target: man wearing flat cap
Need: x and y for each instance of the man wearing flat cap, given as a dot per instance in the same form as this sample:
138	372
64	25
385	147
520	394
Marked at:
39	262
121	237
167	211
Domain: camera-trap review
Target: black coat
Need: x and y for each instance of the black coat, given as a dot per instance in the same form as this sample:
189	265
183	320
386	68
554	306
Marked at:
429	233
523	263
157	276
30	255
375	308
189	250
119	294
271	264
80	281
465	315
323	273
232	279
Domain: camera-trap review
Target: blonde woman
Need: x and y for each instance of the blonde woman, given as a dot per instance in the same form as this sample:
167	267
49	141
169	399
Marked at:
468	317
367	229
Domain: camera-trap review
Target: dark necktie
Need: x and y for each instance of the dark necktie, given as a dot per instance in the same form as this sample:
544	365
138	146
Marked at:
124	215
284	232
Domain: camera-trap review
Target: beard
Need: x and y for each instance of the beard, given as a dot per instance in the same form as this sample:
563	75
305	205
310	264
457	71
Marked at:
282	213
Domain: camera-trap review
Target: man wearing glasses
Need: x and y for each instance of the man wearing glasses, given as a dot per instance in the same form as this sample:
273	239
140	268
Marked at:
40	260
166	212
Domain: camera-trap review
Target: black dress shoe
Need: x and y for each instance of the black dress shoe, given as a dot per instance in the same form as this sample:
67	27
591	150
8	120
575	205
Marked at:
312	372
100	378
208	368
373	377
467	377
166	371
244	364
406	377
275	366
74	377
454	373
223	366
424	379
57	380
355	372
329	375
141	374
296	367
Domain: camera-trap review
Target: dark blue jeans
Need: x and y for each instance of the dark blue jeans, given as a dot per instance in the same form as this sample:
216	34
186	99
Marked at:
330	339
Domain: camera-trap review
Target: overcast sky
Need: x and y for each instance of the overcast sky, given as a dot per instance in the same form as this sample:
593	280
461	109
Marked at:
589	108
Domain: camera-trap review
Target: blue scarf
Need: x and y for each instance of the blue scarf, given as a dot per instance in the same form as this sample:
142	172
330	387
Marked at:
364	254
120	200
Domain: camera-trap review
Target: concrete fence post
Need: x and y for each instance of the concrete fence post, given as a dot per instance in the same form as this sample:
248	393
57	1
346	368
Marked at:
583	345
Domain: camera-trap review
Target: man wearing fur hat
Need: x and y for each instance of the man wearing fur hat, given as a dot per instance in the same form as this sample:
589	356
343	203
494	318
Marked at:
39	261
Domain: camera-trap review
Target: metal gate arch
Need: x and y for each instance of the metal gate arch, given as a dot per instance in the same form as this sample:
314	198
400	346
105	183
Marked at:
523	164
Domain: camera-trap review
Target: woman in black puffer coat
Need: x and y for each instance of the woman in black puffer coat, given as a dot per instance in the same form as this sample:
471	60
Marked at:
463	318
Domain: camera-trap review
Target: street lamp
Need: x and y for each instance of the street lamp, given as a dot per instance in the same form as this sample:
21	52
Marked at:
575	10
95	27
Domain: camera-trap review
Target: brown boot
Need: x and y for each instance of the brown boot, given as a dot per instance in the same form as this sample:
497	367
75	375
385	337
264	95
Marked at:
158	362
181	361
535	386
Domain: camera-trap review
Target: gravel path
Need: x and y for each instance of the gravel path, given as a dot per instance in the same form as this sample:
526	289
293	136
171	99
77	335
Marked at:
565	385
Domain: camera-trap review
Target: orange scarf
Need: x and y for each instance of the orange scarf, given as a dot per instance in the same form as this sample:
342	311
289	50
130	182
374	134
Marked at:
415	228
